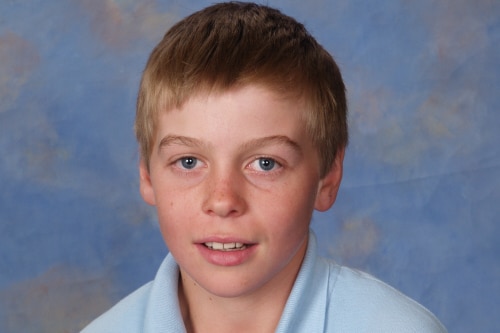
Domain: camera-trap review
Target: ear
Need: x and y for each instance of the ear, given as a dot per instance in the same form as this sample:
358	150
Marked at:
146	187
329	184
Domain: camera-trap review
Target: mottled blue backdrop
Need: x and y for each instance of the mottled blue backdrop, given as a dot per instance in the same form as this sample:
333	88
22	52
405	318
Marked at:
420	202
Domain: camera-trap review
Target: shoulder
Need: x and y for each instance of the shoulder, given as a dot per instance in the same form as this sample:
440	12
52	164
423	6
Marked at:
152	308
360	302
126	316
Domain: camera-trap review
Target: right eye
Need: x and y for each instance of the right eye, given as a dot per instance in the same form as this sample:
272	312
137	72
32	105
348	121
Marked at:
187	162
265	164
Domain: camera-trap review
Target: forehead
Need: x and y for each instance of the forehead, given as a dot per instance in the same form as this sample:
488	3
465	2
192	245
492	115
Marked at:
246	111
248	95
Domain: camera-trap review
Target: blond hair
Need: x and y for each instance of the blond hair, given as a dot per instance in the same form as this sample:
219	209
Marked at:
228	45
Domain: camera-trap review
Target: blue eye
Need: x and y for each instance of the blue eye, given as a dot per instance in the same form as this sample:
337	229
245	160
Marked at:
189	162
267	164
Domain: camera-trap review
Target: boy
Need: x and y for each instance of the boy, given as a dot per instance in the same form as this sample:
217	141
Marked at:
241	122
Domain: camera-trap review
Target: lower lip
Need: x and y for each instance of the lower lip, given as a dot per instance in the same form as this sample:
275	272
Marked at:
226	258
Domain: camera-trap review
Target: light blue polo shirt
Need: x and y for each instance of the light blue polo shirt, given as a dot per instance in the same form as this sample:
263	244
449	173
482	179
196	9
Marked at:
326	297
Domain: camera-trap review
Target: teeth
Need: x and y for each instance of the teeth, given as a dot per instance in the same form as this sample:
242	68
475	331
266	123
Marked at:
225	246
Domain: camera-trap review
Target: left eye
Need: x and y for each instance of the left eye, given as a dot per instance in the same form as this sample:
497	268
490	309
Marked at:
188	162
264	163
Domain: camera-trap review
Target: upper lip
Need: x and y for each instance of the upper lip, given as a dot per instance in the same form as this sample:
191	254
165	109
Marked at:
224	240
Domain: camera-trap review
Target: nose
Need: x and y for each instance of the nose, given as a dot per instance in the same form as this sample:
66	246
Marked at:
224	195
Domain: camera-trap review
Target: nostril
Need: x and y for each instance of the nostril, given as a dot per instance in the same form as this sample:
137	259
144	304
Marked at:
223	204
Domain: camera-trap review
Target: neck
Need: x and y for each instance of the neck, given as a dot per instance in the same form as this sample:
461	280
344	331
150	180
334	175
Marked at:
215	314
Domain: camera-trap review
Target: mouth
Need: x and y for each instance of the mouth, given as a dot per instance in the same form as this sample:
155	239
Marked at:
225	247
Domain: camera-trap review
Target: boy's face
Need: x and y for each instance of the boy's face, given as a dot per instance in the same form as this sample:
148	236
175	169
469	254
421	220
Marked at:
235	180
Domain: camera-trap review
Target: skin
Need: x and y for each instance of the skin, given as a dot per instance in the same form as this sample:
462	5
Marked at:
236	167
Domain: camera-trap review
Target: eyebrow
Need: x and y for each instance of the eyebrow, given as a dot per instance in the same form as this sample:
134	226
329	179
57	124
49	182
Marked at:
171	140
273	140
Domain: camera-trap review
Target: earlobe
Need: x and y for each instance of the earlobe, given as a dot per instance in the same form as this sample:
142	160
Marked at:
146	187
329	185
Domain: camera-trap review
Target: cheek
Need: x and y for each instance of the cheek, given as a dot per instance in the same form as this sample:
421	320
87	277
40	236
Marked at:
173	216
297	200
298	210
171	200
289	214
